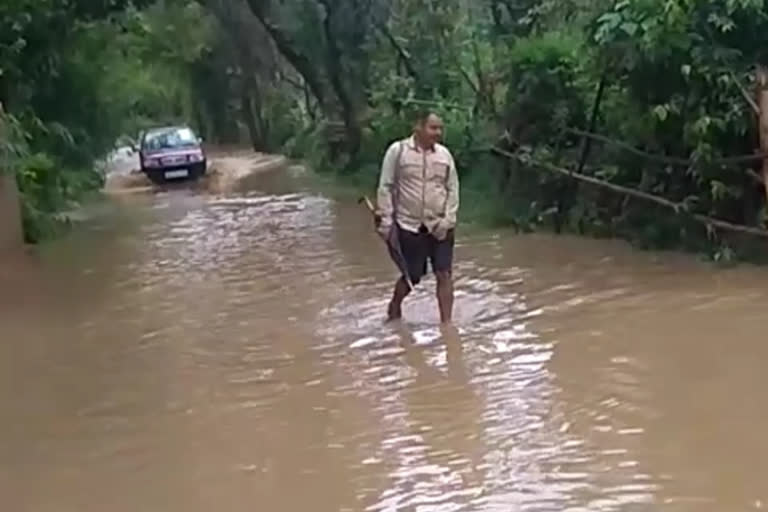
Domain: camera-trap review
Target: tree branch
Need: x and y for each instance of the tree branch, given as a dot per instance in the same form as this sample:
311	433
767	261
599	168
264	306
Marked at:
668	160
290	81
435	103
745	93
300	62
471	83
401	52
587	142
677	207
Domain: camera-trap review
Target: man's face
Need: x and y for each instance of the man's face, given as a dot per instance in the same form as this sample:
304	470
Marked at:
431	130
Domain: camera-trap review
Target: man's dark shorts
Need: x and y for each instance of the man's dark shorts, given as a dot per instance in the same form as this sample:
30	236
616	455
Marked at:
418	248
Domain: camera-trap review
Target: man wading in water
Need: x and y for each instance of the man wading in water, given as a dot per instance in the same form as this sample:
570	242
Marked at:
418	196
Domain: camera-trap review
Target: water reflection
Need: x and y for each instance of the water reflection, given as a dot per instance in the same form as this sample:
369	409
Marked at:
439	453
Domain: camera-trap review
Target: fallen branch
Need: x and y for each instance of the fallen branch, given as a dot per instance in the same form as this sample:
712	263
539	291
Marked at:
437	104
677	207
668	160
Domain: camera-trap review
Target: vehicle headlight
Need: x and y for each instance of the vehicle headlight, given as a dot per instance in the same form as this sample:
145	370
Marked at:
152	162
196	157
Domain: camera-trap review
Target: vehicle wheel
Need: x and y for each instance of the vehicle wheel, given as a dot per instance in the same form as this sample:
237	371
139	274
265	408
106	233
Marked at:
197	171
156	177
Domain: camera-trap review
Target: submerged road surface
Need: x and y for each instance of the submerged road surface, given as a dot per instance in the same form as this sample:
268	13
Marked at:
190	352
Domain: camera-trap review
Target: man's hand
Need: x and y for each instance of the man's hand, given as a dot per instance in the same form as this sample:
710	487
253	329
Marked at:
441	230
384	228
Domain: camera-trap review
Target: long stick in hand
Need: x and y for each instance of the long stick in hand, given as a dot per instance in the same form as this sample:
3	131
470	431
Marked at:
393	243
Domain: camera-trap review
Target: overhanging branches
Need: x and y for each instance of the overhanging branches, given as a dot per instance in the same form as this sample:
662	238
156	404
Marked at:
674	161
679	208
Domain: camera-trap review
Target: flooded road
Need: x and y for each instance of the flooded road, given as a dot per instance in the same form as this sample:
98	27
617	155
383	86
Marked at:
193	352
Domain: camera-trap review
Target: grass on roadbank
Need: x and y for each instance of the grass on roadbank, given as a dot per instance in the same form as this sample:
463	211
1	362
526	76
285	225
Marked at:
479	208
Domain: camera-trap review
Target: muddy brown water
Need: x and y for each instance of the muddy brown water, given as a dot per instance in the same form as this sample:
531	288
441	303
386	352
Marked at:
192	352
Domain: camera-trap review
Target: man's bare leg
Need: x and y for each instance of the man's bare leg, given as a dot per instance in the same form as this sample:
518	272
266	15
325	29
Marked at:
395	309
445	296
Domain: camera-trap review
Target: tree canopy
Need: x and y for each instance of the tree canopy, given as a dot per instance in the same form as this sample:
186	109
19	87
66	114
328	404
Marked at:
624	118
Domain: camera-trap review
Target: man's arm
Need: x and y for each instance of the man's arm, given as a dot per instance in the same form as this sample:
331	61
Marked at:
384	199
452	201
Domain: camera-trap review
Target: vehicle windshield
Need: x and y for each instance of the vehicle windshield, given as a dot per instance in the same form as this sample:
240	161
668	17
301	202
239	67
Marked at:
172	138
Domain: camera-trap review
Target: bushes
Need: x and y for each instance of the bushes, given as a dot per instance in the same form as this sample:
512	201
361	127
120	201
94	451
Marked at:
335	86
667	78
74	79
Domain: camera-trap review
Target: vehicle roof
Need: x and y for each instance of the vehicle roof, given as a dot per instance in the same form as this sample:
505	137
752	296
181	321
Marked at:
167	128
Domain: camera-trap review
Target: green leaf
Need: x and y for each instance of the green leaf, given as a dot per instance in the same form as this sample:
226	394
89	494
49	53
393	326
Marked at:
610	20
718	190
701	126
630	28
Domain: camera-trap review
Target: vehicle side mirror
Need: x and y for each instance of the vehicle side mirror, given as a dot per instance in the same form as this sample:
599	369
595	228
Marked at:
199	140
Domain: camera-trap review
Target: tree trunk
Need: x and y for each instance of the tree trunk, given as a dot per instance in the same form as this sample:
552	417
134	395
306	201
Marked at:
246	109
258	114
10	213
587	142
498	17
287	48
11	235
762	101
335	70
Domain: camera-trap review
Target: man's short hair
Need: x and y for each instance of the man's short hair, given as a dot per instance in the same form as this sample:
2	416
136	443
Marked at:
423	114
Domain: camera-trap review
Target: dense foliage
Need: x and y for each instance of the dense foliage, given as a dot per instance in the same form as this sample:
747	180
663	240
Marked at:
672	83
76	75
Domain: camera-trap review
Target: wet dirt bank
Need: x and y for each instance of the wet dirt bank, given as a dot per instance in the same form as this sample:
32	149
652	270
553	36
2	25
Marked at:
10	215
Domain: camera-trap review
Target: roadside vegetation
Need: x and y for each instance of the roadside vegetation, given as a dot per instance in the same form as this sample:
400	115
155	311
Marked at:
74	77
634	119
